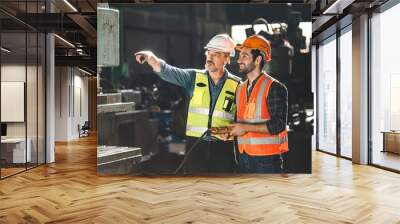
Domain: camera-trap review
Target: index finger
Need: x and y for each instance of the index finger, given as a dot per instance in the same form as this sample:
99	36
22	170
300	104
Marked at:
232	125
139	53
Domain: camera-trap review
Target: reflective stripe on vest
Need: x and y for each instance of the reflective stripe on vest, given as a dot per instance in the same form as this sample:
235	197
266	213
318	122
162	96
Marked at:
260	98
205	111
252	121
263	141
200	130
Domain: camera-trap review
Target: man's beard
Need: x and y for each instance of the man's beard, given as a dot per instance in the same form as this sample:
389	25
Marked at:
210	64
247	69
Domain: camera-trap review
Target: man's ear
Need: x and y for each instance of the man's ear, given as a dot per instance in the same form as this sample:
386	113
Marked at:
258	60
228	60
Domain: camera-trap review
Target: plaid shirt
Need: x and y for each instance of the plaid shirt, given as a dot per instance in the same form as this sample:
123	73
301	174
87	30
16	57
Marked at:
277	101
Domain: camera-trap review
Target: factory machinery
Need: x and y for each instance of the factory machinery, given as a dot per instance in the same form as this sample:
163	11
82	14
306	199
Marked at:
129	133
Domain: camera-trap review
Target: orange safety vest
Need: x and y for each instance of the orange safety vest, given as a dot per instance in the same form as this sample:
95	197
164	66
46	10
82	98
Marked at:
255	110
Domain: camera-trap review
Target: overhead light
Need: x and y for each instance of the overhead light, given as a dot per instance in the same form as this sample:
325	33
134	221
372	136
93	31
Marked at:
65	41
84	71
5	50
70	5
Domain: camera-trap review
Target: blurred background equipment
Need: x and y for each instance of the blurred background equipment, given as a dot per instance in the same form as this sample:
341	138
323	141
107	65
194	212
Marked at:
177	34
289	51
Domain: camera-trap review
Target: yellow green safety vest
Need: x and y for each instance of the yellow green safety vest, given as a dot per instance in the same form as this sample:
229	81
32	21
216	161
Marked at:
199	115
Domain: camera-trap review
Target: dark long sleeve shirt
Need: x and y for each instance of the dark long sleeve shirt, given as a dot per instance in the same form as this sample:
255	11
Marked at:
277	101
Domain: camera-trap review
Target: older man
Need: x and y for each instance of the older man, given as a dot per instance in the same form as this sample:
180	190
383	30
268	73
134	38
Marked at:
212	103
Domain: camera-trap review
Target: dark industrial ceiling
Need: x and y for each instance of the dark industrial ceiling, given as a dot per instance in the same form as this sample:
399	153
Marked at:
74	21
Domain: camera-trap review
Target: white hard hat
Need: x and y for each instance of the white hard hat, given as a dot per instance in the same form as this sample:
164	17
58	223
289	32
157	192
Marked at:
223	43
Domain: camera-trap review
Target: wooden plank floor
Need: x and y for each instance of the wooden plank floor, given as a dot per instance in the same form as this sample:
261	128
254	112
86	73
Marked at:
10	171
70	191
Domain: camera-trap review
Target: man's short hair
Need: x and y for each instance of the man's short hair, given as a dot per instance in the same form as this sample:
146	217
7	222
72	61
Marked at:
256	53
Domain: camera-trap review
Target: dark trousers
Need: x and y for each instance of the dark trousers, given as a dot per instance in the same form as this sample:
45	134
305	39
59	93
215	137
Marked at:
260	164
209	157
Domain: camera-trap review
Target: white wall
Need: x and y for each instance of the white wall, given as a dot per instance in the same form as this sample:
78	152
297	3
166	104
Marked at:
14	73
71	93
12	101
33	126
61	103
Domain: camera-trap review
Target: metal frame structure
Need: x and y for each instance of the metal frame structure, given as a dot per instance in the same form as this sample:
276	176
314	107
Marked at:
337	29
28	27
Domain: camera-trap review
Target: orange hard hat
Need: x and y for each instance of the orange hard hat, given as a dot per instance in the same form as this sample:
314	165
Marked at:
257	42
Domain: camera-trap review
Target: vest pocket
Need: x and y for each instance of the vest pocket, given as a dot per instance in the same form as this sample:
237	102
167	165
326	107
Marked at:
228	103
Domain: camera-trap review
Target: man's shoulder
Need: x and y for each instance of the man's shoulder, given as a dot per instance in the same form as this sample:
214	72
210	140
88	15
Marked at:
278	87
200	71
276	83
234	77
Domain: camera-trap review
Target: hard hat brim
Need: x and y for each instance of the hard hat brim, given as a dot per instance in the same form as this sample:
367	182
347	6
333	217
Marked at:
232	54
239	47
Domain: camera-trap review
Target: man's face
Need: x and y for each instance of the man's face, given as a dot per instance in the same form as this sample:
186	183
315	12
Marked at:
245	61
215	60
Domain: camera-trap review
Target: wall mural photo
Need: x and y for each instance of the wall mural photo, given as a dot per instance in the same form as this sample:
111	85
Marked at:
199	89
